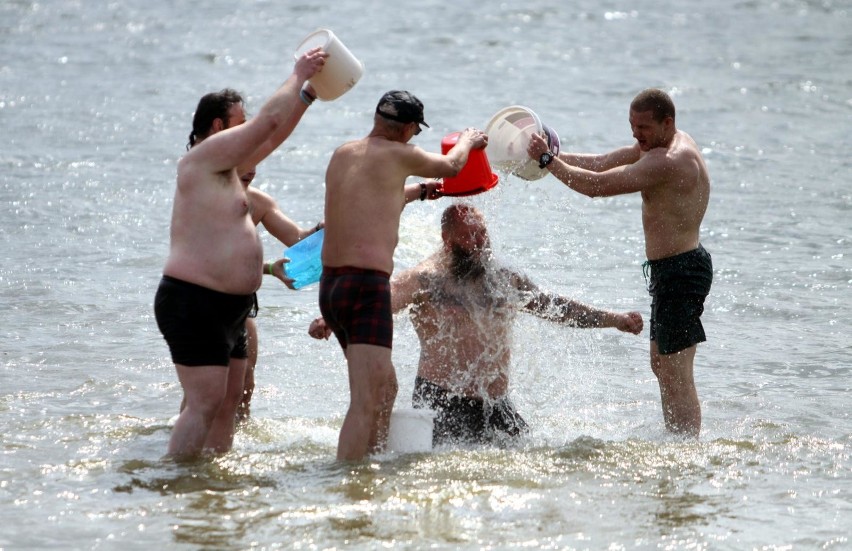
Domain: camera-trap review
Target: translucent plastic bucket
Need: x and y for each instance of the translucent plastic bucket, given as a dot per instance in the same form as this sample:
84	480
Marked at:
341	71
305	265
475	177
509	132
410	430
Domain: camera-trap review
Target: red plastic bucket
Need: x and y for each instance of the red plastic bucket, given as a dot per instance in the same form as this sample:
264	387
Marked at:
475	177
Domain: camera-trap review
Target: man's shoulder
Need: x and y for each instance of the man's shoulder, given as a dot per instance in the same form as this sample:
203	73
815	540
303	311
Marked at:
369	148
431	267
198	165
684	146
186	165
346	147
425	267
501	277
190	172
505	271
671	162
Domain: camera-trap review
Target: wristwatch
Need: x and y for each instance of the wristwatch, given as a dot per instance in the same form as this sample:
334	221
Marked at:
545	159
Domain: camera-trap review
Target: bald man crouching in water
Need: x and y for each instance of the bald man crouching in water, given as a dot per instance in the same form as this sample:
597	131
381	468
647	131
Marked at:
365	195
666	167
215	256
463	305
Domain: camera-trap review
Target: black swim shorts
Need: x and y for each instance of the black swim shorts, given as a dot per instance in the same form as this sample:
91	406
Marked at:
679	285
200	325
356	305
464	420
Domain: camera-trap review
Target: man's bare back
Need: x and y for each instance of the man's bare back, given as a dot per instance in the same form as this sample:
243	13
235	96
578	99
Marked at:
365	183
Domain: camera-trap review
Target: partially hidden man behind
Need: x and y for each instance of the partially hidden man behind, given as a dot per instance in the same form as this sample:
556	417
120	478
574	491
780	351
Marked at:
463	305
365	195
666	167
265	210
215	257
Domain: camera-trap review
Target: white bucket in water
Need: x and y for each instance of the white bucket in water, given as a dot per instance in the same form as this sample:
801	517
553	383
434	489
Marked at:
410	430
509	132
341	70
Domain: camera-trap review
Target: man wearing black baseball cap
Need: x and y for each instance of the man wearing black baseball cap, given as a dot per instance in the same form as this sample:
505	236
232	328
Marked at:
364	197
401	106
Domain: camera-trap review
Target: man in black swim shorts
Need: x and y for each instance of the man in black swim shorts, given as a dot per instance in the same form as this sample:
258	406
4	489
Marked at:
463	306
665	166
265	211
215	259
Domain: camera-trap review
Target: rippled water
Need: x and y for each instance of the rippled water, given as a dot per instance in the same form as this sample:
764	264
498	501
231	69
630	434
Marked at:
96	100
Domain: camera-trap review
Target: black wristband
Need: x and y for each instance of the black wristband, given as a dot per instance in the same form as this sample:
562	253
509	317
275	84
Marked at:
545	159
306	97
423	191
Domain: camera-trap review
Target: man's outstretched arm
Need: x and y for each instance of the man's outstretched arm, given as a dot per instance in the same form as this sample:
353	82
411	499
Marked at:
562	309
577	314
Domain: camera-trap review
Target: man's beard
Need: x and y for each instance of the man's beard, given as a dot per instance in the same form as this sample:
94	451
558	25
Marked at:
468	266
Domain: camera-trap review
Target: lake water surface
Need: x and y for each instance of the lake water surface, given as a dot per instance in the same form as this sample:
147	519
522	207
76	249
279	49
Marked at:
96	100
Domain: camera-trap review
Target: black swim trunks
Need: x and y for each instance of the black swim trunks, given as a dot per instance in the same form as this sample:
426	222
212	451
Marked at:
679	285
356	305
200	325
464	420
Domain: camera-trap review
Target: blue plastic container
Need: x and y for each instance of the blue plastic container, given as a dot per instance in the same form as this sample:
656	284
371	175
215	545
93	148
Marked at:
305	266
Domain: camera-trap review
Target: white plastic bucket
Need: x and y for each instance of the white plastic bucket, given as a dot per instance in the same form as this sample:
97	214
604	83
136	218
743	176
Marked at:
341	71
410	430
509	132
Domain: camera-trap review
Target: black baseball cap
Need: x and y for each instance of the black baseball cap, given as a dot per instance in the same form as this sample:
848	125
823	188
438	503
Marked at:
401	106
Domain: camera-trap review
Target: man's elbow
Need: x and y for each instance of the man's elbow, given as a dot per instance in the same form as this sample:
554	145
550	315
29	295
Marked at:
589	191
453	169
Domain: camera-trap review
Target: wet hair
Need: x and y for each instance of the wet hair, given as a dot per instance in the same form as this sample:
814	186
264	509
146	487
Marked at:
212	106
656	101
455	213
464	265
